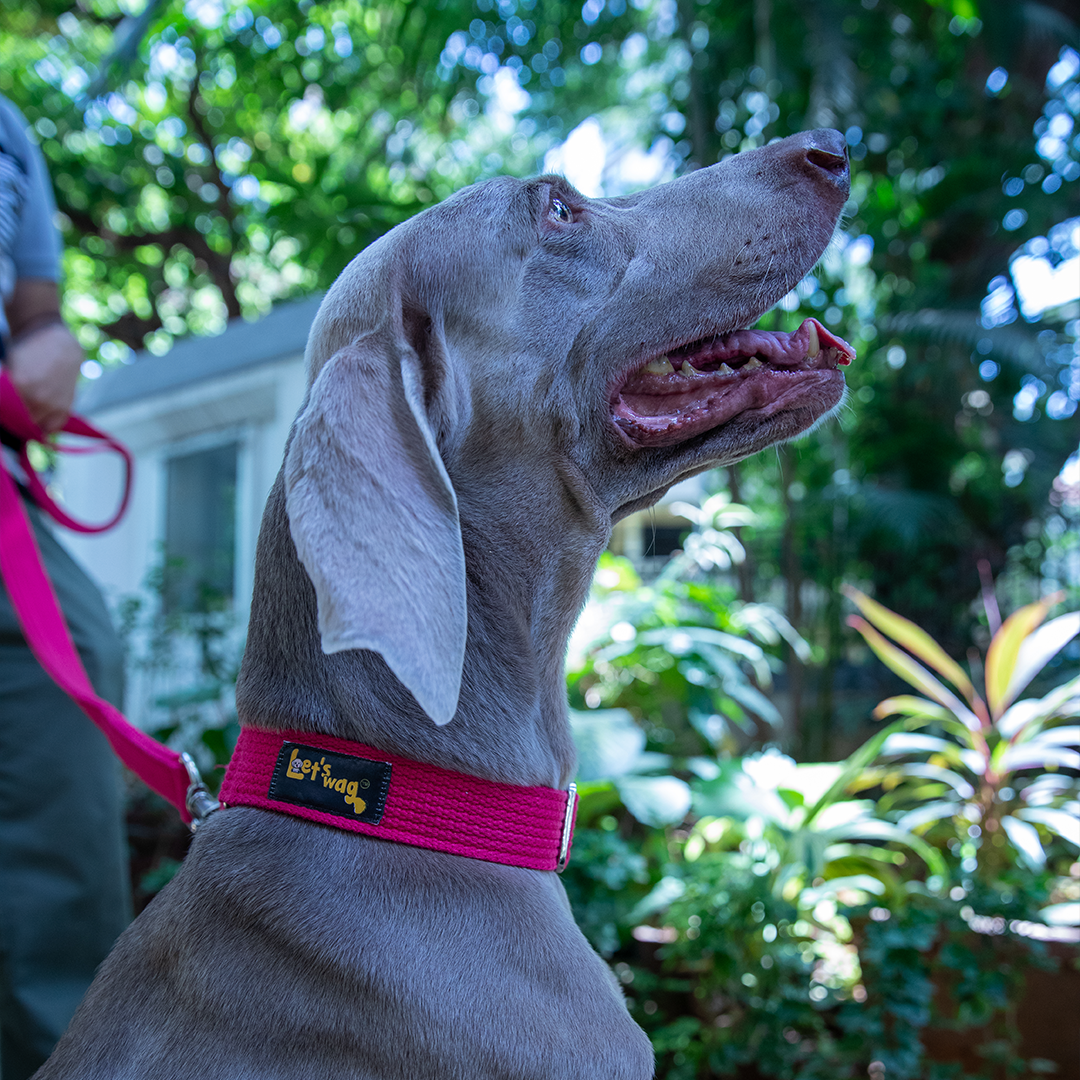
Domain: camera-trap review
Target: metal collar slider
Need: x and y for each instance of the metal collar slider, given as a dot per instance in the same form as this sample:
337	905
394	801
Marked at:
568	828
200	803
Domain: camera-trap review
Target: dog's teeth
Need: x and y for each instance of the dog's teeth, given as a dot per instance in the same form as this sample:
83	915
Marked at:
689	370
660	366
815	346
752	364
723	369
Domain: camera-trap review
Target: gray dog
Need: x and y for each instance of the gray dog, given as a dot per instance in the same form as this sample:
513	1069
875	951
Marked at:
492	385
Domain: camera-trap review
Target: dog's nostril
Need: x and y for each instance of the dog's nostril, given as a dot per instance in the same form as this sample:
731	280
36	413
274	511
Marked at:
837	164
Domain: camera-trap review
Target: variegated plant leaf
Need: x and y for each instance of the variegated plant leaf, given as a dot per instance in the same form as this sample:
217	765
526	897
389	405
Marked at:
913	672
1031	755
876	829
1004	650
1062	701
1025	838
928	814
1063	735
909	705
1037	650
916	640
913	742
1058	821
946	776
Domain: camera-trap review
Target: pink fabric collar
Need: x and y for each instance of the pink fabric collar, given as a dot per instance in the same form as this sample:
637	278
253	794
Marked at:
360	789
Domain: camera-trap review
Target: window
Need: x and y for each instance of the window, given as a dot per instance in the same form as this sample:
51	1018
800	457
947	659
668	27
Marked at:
662	541
200	530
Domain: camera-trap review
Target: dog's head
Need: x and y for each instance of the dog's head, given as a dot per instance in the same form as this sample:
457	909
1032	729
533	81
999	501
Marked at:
527	360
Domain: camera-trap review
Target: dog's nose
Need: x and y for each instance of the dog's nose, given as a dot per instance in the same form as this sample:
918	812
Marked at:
827	150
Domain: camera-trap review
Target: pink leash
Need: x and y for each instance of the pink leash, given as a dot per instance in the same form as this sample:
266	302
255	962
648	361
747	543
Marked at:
171	775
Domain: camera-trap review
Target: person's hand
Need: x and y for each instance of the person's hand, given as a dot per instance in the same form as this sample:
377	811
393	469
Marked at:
44	366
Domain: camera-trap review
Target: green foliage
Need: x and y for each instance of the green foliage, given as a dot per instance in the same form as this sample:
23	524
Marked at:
739	959
785	925
681	652
182	666
242	157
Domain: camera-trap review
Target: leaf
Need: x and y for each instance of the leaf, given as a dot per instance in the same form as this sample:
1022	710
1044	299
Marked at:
843	850
913	672
1065	735
1004	650
876	829
911	742
735	794
1062	701
831	886
655	800
768	623
813	780
914	639
1018	716
663	894
852	767
1044	789
730	642
754	700
909	705
1026	841
1066	914
1032	756
928	814
1061	822
847	813
1038	649
608	741
945	776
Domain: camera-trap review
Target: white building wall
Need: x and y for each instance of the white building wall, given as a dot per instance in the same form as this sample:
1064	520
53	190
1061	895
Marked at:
254	407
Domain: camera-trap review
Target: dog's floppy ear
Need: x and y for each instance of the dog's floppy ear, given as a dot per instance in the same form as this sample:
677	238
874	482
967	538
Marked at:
374	518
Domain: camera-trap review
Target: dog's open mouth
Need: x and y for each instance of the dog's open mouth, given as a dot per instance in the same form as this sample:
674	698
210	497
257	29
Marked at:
700	386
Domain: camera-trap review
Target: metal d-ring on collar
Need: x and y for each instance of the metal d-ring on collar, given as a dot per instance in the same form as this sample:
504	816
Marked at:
200	803
567	829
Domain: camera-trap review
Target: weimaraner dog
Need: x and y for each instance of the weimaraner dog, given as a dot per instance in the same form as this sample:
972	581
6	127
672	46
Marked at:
491	385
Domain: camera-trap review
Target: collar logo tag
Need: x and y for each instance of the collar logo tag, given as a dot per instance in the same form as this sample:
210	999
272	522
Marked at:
348	787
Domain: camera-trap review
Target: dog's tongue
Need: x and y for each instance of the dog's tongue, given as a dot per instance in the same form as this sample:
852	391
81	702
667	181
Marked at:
778	348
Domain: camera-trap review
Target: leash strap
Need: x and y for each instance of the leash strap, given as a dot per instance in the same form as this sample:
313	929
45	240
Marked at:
170	774
351	786
16	421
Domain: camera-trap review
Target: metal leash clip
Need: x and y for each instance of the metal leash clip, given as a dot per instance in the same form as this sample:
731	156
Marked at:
200	803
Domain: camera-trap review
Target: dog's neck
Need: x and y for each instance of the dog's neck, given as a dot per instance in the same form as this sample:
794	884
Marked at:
511	723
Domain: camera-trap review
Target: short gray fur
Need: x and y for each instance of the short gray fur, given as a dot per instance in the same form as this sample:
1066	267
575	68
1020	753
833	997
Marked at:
451	479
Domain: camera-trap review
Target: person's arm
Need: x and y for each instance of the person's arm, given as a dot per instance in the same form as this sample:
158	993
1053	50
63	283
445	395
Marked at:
43	357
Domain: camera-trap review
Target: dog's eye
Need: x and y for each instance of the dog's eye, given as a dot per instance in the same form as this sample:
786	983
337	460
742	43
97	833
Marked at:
561	212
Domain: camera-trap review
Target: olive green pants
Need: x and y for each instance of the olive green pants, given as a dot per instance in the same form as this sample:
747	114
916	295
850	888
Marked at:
64	894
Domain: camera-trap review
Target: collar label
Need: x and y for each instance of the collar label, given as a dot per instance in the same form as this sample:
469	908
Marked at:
348	787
